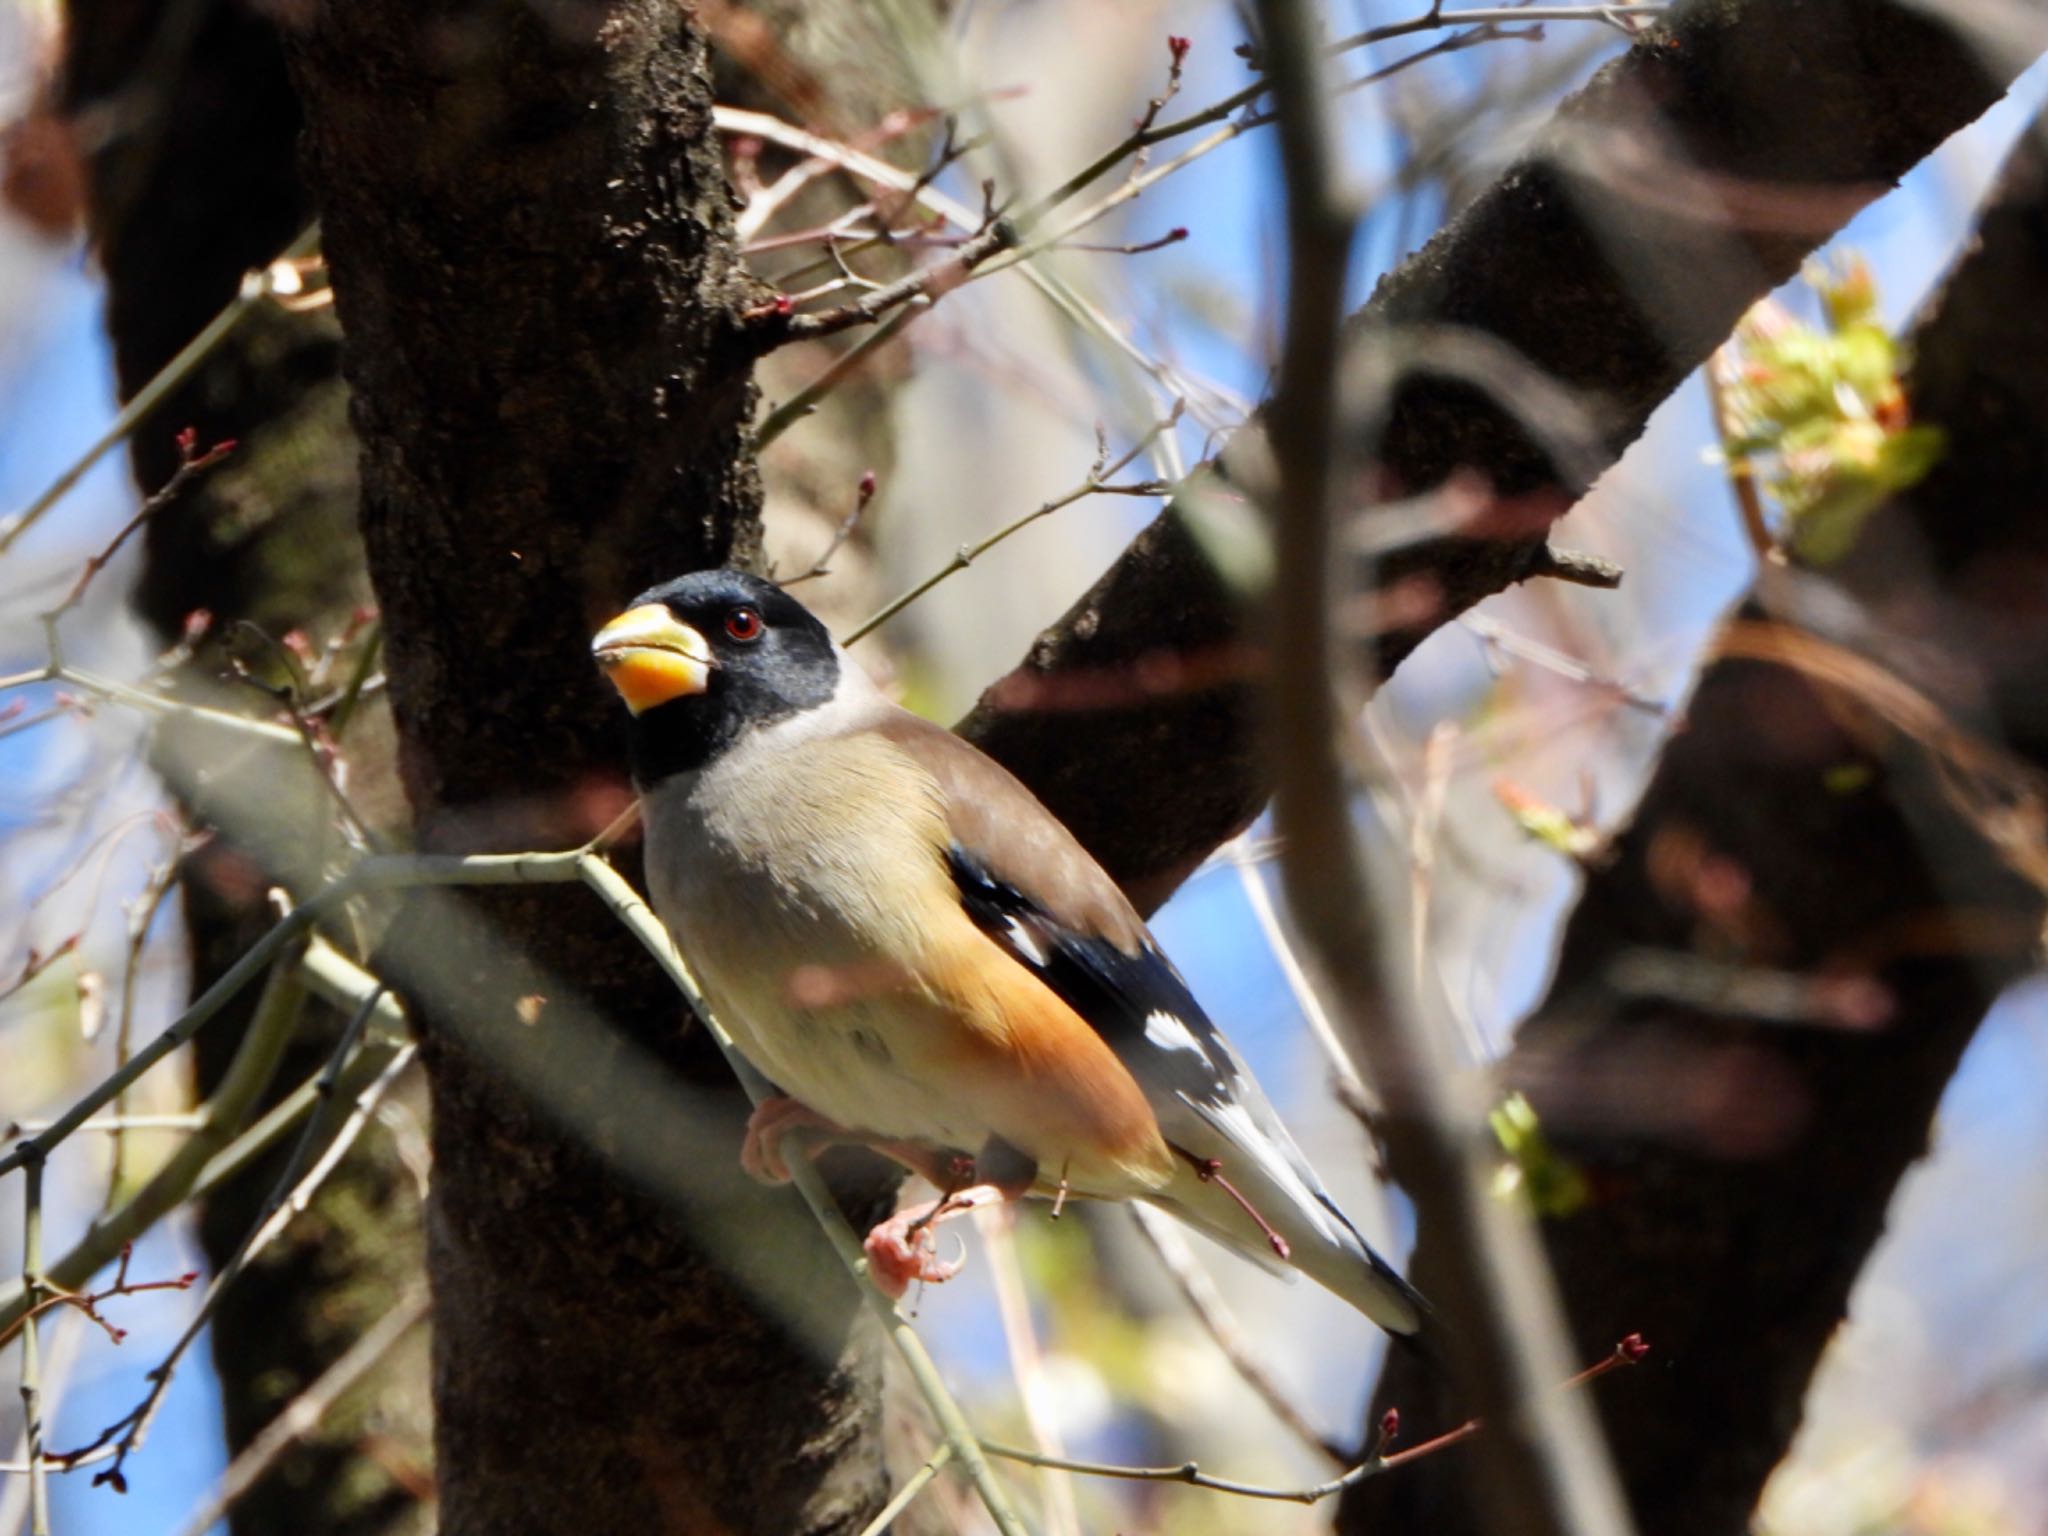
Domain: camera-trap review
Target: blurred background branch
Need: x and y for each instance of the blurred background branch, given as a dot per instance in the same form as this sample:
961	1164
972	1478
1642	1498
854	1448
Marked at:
1737	1260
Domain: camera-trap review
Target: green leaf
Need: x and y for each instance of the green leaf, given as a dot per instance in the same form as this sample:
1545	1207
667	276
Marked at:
1551	1184
1818	416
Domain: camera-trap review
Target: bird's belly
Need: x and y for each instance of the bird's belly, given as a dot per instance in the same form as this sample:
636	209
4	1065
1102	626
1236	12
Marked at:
809	1005
843	1059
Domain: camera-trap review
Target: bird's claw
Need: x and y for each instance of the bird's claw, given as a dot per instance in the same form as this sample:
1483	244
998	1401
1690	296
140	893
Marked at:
761	1153
897	1255
906	1246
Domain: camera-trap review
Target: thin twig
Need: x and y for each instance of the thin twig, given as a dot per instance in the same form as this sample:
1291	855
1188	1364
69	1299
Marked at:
805	400
1064	298
1096	482
1351	1086
38	961
763	206
388	872
57	670
997	1226
192	463
59	1352
183	1120
912	1487
1456	42
1208	1305
322	753
337	980
1630	1351
1173	236
255	1060
1622	16
1438	756
295	1198
1552	1477
1148	133
303	1414
289	1197
256	287
863	493
140	920
775	327
87	1303
1495	636
32	1349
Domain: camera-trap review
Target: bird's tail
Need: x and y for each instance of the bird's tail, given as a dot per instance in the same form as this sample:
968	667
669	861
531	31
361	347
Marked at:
1319	1238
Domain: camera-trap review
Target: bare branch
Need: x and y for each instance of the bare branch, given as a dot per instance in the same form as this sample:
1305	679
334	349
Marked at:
1549	1474
282	277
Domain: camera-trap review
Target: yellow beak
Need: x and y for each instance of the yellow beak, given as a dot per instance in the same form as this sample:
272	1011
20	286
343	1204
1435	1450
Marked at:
651	657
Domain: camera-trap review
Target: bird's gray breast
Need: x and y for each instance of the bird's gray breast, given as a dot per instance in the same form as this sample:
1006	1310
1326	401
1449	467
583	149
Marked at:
787	871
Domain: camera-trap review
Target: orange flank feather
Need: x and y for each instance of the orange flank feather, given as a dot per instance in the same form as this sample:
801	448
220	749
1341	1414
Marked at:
1038	1073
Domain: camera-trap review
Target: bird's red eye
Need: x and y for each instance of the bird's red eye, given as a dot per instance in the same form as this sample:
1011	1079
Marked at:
743	624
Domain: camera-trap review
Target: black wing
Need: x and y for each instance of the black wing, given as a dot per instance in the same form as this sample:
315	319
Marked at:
1196	1083
1180	1054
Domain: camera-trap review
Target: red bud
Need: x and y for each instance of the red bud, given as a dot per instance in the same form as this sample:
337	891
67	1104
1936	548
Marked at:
1633	1348
188	439
1178	47
1390	1426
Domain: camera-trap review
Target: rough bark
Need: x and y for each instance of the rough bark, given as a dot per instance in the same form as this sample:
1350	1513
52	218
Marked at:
528	227
193	181
1682	184
1743	1168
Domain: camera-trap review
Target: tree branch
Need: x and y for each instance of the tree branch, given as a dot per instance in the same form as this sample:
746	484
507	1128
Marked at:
1544	1471
1746	1165
1684	182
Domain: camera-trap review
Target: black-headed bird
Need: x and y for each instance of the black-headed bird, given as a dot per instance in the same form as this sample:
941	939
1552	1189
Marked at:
924	960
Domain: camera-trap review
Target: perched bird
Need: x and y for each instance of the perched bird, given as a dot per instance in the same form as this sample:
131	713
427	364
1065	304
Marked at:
924	960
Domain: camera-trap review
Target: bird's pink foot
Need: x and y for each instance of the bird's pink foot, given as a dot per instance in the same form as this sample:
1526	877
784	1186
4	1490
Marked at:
906	1248
897	1256
772	1119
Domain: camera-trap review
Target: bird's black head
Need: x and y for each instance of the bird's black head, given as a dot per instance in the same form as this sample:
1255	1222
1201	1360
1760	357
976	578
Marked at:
705	658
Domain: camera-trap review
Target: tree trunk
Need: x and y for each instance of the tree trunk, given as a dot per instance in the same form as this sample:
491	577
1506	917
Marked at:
1880	854
528	226
193	182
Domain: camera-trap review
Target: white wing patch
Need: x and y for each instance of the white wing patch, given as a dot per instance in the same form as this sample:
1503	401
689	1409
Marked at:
1167	1032
1026	943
